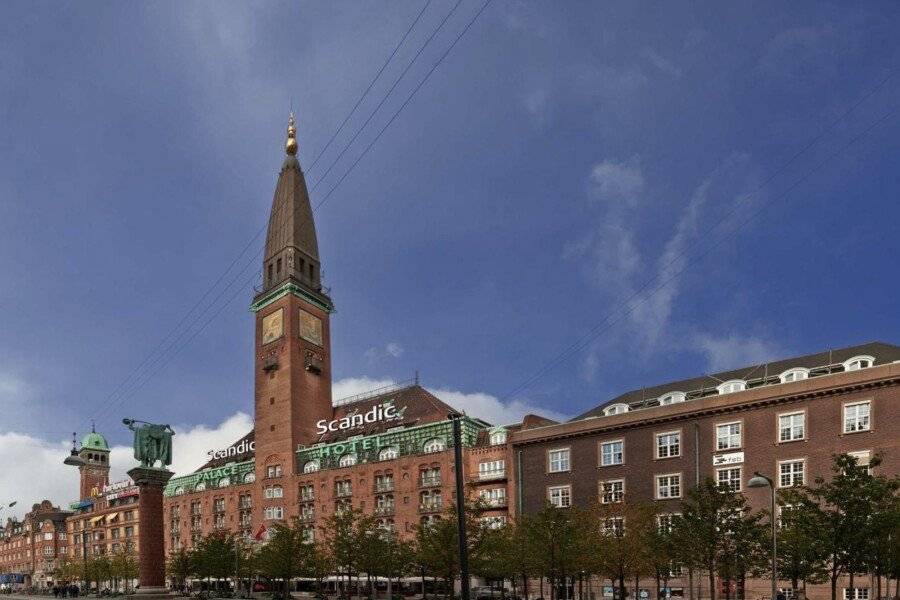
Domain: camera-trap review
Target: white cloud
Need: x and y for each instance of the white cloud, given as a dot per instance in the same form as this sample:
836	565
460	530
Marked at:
735	351
351	386
13	389
537	105
33	468
662	63
390	350
615	181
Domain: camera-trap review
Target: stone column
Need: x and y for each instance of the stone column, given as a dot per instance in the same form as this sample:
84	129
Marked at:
151	529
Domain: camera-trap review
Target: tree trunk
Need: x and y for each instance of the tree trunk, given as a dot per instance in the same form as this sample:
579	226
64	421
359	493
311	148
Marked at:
712	583
833	586
691	583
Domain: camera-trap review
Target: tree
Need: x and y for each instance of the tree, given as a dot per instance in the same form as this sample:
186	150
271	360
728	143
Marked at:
801	550
215	555
621	551
124	566
180	566
557	540
347	533
285	555
437	545
709	514
494	558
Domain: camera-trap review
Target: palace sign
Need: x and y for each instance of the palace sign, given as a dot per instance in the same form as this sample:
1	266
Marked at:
382	412
241	448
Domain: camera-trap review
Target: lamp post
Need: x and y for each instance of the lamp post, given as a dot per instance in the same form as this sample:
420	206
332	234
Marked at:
75	460
758	481
455	418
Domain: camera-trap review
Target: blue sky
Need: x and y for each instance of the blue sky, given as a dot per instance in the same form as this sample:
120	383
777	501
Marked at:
561	157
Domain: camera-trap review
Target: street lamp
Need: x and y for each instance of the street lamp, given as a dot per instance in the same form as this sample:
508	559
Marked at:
456	418
73	460
758	481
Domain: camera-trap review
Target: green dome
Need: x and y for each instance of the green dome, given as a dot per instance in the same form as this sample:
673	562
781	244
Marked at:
94	441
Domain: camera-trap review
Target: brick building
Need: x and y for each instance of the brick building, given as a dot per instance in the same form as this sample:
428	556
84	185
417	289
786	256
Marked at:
387	453
784	419
32	549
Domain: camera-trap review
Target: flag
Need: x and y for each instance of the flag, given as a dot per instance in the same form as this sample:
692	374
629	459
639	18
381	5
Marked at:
260	533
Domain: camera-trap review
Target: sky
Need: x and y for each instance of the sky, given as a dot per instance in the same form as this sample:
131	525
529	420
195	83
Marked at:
571	201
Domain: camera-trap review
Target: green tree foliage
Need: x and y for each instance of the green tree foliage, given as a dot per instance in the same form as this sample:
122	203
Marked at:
285	555
180	566
558	542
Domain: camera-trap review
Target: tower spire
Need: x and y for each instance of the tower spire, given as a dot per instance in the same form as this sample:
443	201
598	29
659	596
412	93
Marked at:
291	145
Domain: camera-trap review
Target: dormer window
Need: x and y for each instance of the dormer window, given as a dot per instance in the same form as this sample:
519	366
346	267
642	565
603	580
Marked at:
433	445
859	362
672	398
615	409
388	453
311	466
795	374
347	460
497	437
735	385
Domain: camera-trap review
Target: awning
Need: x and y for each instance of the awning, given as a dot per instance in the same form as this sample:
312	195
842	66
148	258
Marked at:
112	517
96	519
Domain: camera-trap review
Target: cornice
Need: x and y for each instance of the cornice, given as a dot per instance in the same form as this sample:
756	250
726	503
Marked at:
786	393
289	287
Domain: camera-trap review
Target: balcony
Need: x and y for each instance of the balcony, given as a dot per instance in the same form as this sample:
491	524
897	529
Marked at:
307	517
343	493
384	510
307	497
491	475
384	486
495	502
430	481
432	506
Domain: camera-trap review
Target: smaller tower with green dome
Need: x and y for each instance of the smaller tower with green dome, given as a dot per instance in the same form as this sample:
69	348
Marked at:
95	470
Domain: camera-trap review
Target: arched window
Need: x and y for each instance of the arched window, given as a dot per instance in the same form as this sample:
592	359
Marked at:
249	477
224	482
795	374
311	466
347	460
859	362
497	437
179	490
200	487
734	385
434	445
273	491
672	398
388	453
615	409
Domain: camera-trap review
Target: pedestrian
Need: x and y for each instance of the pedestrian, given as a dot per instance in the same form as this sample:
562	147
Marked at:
779	596
56	591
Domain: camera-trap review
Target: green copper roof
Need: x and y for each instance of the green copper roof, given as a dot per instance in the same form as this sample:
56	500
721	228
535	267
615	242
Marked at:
94	441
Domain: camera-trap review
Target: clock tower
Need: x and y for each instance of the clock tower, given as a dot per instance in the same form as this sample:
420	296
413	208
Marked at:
94	473
293	351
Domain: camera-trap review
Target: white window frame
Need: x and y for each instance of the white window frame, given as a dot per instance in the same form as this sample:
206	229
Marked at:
561	463
496	438
668	447
612	496
729	435
311	466
731	386
730	481
388	453
858	593
560	493
672	398
621	453
668	487
794	374
615	409
857	418
793	473
347	460
863	459
434	445
792	427
854	362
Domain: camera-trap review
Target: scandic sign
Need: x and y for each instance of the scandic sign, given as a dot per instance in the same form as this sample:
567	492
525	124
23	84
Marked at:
241	448
382	412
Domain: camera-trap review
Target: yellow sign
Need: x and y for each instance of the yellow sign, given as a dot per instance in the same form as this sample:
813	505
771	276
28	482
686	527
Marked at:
273	326
310	327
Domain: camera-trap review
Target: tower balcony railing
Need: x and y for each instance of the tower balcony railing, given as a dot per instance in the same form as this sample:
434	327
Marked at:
343	493
431	506
384	486
384	509
492	474
430	480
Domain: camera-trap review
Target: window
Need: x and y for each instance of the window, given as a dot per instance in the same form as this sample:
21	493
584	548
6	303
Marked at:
347	460
224	482
249	477
558	460
388	453
200	487
856	594
791	473
560	496
857	416
672	398
665	522
179	490
434	445
492	469
612	491
863	457
791	427
430	477
859	362
728	436
493	497
668	486
615	409
273	491
613	526
729	478
307	492
498	437
795	374
668	444
729	387
274	513
497	522
311	466
612	453
273	471
343	488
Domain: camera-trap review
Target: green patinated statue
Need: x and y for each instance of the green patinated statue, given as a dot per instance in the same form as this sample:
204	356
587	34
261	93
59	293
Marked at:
152	443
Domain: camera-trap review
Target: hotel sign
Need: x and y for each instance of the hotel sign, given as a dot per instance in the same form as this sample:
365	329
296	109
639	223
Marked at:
241	448
381	412
731	458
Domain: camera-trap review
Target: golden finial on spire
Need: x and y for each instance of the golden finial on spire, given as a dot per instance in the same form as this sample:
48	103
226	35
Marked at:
291	145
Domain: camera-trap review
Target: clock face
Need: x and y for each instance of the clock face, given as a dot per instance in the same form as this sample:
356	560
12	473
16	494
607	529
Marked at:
310	327
273	326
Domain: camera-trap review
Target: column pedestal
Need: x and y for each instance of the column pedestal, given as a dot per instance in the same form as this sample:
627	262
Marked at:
151	532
